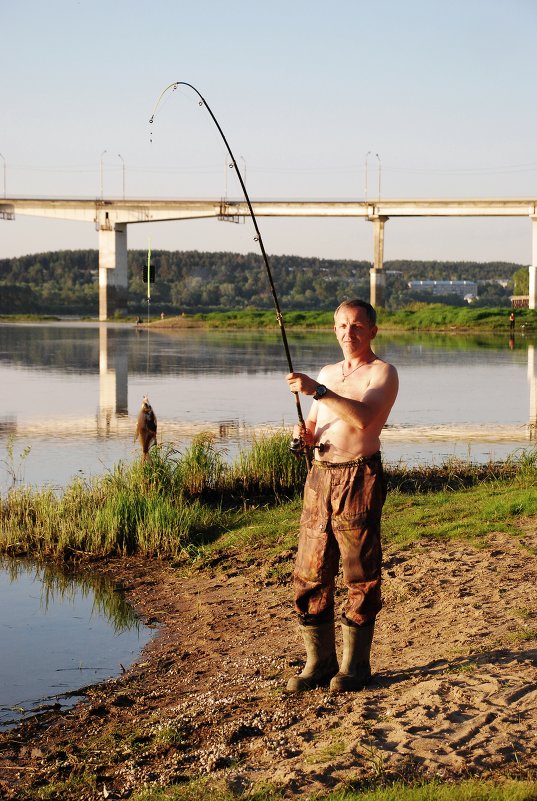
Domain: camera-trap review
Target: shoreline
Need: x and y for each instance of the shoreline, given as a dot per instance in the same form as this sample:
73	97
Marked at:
260	321
204	701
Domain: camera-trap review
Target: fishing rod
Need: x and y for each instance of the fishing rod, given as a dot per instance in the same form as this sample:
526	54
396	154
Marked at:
258	238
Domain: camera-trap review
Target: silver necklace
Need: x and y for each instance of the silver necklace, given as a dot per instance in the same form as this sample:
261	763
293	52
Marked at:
343	376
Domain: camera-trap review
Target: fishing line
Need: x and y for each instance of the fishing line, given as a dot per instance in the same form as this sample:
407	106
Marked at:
148	303
257	238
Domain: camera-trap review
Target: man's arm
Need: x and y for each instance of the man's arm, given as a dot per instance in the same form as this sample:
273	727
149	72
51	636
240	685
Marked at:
307	431
379	396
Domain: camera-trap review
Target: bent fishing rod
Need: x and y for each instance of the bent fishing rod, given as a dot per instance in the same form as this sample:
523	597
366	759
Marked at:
258	238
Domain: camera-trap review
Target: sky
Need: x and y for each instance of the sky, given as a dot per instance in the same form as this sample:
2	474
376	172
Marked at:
440	94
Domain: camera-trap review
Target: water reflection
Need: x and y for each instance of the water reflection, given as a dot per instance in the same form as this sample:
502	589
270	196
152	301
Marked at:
532	379
254	353
113	379
58	583
72	391
61	631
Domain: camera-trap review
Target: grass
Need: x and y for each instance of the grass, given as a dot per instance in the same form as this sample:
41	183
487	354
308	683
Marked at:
250	319
437	316
203	790
29	317
326	754
468	514
267	467
415	317
469	790
187	505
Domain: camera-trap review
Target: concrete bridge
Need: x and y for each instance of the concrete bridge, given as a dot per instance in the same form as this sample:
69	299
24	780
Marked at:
111	218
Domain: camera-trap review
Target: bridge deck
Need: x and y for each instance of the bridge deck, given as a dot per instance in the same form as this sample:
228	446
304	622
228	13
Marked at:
138	210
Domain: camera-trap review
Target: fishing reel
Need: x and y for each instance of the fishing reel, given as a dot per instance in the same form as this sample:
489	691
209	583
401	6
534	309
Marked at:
298	447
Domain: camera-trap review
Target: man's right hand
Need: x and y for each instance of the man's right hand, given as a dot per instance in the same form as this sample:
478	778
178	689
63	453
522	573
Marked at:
301	432
300	382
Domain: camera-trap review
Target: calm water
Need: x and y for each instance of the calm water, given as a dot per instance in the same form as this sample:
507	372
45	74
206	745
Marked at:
59	633
71	392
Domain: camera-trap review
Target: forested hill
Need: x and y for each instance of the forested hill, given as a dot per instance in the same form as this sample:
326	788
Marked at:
67	281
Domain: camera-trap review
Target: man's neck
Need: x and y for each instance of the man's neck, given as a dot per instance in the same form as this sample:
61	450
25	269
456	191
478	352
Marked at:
358	357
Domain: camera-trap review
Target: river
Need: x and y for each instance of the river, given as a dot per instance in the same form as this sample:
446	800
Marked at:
61	630
71	393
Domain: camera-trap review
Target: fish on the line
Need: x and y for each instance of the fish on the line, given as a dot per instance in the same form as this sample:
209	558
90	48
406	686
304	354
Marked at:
146	427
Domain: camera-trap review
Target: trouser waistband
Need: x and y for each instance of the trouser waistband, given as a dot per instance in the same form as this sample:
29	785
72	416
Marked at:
374	457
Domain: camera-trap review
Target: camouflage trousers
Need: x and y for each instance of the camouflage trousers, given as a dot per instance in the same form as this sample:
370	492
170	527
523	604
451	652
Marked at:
341	520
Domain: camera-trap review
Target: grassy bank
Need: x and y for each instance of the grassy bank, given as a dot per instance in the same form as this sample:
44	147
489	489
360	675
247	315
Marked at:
429	791
18	318
417	317
180	505
439	317
206	517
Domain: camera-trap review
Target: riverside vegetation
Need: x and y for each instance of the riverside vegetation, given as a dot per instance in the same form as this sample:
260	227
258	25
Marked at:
66	282
414	317
206	519
180	504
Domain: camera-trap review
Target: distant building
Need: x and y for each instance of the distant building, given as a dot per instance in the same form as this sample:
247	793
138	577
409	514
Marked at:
459	288
503	282
520	301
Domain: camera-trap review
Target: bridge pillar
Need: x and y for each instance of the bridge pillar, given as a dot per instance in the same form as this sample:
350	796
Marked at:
533	267
377	277
113	279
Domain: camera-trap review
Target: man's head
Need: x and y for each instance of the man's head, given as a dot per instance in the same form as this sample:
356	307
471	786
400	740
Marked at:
355	327
359	304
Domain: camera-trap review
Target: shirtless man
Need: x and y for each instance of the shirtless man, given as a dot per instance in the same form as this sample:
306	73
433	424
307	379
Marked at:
343	499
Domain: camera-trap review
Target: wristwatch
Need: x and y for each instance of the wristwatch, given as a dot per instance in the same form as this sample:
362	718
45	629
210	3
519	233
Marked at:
320	392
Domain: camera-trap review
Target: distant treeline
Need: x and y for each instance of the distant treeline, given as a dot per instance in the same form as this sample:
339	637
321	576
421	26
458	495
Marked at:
66	282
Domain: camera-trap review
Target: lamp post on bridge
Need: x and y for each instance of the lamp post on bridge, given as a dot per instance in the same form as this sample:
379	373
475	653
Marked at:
123	163
101	171
376	273
3	159
365	171
370	153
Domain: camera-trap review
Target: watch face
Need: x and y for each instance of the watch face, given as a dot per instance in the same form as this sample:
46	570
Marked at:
320	391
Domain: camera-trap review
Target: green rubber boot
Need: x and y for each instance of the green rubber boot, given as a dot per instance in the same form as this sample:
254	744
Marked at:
355	670
321	663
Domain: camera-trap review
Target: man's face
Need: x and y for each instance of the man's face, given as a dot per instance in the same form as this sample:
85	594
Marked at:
353	330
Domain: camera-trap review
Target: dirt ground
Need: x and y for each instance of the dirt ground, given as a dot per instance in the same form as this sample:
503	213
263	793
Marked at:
454	691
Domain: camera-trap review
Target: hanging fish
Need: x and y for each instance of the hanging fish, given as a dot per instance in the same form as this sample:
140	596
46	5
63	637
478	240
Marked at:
146	427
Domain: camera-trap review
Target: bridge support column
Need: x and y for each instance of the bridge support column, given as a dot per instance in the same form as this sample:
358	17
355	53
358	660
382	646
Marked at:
533	266
377	277
113	278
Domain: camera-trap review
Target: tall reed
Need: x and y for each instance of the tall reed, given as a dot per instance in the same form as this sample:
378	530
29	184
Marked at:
267	467
164	506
